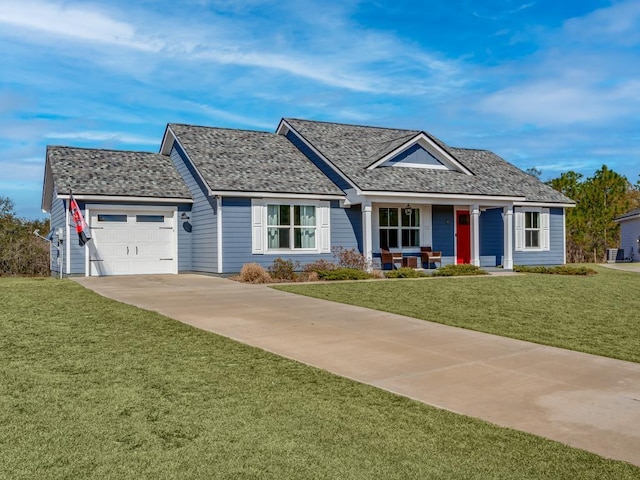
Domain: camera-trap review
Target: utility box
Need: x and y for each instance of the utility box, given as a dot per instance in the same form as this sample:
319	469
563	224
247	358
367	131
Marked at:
612	254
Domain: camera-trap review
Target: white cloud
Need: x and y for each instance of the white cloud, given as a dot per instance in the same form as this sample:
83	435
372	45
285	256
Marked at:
618	23
74	22
563	102
349	57
102	136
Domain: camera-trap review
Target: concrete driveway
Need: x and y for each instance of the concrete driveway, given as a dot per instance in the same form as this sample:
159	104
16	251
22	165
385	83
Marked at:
582	400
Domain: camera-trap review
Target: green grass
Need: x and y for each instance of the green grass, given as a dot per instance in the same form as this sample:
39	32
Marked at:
90	388
597	314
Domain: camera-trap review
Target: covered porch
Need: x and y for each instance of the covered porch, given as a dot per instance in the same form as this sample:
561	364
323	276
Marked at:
480	234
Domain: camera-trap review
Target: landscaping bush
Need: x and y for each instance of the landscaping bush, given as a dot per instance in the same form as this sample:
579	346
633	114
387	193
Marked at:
284	270
458	270
559	270
344	274
350	258
254	273
319	265
405	272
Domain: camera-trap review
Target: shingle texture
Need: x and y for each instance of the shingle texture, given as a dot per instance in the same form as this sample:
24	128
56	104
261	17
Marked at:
353	148
114	172
250	161
632	213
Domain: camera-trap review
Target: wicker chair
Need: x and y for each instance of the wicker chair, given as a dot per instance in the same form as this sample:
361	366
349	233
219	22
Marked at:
429	256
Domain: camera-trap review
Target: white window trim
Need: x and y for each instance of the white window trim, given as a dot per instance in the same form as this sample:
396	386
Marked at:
425	227
519	227
259	241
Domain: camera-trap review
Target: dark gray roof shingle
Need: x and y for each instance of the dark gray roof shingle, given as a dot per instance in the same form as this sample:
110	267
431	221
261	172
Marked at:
250	161
91	171
353	148
632	213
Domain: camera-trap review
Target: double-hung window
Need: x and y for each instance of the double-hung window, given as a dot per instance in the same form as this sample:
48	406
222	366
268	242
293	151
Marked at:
399	227
532	229
291	227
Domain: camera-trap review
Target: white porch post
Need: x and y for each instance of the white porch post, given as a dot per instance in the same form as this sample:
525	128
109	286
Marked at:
507	262
475	235
367	234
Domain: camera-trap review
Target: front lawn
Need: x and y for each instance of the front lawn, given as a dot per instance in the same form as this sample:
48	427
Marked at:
91	388
597	314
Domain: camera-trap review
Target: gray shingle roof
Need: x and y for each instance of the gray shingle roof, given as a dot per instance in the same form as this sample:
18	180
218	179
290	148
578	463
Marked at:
353	148
250	161
632	213
91	171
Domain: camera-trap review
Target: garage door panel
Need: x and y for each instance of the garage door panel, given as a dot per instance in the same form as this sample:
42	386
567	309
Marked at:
134	246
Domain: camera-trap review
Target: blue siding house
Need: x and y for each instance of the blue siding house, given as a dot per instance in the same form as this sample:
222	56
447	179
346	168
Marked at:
214	199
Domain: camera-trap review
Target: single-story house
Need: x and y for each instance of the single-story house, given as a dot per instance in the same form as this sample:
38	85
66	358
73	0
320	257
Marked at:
214	199
630	235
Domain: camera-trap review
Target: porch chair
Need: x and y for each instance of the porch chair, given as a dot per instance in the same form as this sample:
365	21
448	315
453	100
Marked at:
390	258
429	256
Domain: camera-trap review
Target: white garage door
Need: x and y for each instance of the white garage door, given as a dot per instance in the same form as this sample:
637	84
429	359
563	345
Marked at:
132	242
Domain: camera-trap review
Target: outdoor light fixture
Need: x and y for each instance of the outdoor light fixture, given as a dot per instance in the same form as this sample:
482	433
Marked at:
407	210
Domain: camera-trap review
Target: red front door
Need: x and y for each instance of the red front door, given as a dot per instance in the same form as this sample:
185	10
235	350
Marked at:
463	236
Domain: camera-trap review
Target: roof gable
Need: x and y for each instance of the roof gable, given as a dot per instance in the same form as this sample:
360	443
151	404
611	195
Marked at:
357	152
231	160
90	171
421	152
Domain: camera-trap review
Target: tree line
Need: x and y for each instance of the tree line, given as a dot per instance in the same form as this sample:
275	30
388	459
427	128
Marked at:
21	252
590	226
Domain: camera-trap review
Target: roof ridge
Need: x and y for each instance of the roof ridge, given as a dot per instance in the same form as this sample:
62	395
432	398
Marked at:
104	149
352	125
221	128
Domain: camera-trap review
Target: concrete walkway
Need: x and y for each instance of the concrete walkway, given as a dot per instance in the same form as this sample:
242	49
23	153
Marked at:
582	400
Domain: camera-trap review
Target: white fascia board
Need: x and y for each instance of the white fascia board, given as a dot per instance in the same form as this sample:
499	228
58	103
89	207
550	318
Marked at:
167	141
424	140
628	218
129	208
47	188
442	198
352	198
544	204
281	128
301	196
116	198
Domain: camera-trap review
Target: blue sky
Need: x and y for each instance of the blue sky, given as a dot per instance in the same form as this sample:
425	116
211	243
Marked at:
545	84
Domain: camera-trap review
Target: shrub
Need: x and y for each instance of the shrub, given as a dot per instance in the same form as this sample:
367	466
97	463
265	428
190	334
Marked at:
344	274
405	272
458	270
319	265
284	270
254	273
350	258
312	277
559	270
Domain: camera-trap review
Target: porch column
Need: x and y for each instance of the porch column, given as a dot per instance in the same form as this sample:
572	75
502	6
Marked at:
367	244
475	235
507	216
